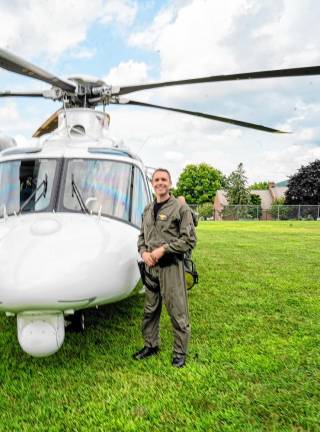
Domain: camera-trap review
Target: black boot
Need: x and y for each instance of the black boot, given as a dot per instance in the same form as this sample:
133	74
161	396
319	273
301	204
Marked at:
178	362
145	352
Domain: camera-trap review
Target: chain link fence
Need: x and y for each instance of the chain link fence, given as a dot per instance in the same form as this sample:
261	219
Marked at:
275	212
206	211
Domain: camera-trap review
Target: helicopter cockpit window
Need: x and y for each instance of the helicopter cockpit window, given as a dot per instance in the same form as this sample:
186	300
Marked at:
139	198
26	185
99	184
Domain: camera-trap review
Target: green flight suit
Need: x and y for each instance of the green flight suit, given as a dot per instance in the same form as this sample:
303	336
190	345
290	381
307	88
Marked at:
174	230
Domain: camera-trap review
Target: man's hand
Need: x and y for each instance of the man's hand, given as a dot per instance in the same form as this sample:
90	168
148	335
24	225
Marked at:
156	254
148	259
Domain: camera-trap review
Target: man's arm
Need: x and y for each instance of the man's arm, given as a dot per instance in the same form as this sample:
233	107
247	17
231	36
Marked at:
187	234
141	243
142	247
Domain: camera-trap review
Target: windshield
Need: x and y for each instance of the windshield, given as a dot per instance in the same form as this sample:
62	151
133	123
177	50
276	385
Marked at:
139	198
102	185
26	185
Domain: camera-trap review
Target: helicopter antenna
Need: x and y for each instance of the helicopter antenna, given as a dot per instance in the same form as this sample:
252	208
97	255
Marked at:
66	116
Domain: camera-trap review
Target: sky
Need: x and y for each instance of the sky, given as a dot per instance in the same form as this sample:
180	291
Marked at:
133	42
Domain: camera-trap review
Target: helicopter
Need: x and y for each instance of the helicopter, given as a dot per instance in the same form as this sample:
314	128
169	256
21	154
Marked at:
71	206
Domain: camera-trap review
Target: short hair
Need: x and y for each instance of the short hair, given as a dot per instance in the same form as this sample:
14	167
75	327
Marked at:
161	170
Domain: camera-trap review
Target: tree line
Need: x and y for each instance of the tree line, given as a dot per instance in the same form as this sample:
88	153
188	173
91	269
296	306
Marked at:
199	184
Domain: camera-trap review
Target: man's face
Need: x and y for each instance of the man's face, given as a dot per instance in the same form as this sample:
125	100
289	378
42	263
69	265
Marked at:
161	183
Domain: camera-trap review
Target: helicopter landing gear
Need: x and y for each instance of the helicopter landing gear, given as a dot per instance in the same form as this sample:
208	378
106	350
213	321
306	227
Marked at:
76	322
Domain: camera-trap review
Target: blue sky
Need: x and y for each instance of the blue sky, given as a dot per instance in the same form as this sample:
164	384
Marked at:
127	42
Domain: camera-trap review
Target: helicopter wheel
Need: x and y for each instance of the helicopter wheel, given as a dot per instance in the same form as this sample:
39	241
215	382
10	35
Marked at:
77	322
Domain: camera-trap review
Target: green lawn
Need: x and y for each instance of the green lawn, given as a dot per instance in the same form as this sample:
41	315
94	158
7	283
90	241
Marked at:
254	362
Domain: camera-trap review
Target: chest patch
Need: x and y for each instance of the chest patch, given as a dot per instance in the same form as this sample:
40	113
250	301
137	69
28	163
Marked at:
163	217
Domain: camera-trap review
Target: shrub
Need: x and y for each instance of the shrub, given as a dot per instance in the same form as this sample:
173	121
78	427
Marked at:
279	210
205	211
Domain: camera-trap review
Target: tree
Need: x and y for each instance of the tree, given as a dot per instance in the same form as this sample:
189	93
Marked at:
205	211
198	183
255	209
260	186
236	187
255	200
304	186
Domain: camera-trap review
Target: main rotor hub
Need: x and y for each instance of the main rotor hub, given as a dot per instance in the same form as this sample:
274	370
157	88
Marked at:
89	92
83	122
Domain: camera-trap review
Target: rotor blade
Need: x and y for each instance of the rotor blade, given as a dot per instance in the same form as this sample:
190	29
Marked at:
25	94
208	116
279	73
16	64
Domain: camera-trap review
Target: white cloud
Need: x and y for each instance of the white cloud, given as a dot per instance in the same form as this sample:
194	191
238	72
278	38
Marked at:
16	120
148	38
306	134
290	32
189	40
122	12
83	53
174	156
130	72
8	113
284	162
49	28
208	38
42	28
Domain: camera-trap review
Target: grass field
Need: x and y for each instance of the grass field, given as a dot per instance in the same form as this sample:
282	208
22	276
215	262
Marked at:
254	362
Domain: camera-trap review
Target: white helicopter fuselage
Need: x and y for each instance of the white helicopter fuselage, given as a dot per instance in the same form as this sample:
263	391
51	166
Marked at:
65	261
57	257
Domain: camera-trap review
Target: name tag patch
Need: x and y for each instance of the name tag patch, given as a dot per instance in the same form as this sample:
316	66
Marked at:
163	217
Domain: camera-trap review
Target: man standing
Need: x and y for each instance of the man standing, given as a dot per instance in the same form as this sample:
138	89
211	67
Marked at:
167	232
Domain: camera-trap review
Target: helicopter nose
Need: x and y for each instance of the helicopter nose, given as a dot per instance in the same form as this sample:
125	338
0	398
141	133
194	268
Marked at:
47	258
45	227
